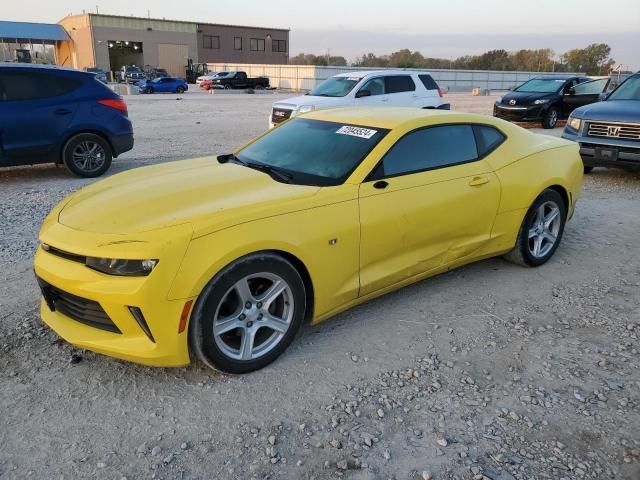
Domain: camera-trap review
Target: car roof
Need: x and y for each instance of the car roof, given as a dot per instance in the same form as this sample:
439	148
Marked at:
38	66
395	117
557	77
379	73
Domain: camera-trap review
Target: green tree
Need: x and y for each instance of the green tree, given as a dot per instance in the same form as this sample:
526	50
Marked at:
592	60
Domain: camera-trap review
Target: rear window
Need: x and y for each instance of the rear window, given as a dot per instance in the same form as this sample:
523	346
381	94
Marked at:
428	82
399	83
21	86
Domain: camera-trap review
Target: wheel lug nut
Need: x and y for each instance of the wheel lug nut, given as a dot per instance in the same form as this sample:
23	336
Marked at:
247	305
260	317
249	324
259	305
243	316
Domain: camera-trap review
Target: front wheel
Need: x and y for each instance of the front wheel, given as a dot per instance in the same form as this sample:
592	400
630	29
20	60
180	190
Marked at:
228	86
248	314
550	119
87	155
148	90
180	89
541	230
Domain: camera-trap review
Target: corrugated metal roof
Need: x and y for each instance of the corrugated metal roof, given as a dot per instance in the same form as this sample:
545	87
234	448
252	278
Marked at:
32	31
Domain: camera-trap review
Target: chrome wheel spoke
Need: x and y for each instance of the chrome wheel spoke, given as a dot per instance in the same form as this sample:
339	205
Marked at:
276	324
533	232
223	326
243	291
246	344
551	216
272	293
549	237
537	245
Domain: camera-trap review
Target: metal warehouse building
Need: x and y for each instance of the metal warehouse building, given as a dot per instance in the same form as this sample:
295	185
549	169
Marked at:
110	41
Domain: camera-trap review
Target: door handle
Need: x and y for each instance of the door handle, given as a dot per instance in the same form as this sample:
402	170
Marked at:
380	184
477	181
62	111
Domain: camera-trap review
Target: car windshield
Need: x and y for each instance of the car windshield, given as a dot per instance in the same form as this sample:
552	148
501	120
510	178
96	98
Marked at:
335	87
541	85
629	90
222	74
313	152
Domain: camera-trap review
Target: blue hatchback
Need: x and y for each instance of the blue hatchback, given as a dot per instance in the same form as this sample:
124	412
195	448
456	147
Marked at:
163	85
50	114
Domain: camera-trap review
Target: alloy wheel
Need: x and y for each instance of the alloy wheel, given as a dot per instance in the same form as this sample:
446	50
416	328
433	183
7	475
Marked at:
544	230
253	316
88	156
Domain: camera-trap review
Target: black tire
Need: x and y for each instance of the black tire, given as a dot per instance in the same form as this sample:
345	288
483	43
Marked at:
180	89
96	151
148	90
550	119
228	86
522	253
259	86
587	169
210	348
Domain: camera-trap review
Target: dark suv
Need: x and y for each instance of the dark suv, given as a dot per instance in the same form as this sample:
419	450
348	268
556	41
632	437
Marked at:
547	99
51	114
609	131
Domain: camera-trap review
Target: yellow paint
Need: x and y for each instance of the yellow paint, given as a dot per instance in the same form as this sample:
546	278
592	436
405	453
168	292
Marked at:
198	216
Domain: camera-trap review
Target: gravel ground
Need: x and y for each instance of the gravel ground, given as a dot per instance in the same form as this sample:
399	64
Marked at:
491	371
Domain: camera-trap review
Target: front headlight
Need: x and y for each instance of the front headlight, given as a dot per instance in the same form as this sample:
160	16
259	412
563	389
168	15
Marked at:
125	268
541	101
574	123
306	108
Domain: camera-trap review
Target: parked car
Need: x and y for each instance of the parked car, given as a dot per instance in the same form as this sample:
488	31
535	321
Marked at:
131	74
50	114
547	99
208	77
163	85
609	131
392	88
226	260
230	80
156	72
100	74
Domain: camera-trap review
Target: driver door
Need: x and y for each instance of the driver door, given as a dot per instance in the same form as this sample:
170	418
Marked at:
376	93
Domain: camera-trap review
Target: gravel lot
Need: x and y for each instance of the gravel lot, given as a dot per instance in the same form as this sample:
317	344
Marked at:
490	371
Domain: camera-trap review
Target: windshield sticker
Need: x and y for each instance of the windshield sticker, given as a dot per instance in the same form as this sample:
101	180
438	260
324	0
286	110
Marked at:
357	132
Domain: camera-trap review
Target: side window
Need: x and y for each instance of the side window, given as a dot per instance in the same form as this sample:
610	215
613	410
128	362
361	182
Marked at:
21	86
487	139
592	87
399	83
428	82
428	149
375	86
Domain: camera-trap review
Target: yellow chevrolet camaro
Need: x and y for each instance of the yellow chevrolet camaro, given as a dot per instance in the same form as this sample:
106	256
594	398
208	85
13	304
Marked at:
224	258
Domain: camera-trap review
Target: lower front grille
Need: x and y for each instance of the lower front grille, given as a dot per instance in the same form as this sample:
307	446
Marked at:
77	308
279	115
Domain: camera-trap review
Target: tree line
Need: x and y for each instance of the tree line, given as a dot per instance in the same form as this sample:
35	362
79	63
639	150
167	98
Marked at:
592	60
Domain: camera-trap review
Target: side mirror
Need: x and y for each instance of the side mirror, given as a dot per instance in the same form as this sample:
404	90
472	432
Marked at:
363	93
570	91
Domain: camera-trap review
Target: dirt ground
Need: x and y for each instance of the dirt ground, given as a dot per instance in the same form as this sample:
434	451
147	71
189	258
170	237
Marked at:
491	371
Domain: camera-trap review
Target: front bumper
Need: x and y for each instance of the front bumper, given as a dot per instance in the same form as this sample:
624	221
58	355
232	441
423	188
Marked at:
606	152
520	113
112	296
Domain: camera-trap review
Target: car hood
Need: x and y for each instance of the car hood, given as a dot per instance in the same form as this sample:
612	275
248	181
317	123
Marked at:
201	192
317	102
526	98
610	110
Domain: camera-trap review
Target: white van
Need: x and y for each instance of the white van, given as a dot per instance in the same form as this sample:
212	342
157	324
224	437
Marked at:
394	88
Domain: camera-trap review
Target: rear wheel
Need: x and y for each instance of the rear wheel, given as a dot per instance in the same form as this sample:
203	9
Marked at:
87	155
259	87
248	314
550	119
541	230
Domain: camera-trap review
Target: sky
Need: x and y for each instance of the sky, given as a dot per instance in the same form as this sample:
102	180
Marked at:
437	28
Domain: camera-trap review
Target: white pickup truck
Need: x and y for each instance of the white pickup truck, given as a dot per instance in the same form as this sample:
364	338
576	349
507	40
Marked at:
394	88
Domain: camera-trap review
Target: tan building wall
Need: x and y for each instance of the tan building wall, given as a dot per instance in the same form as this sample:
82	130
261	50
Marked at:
227	51
78	53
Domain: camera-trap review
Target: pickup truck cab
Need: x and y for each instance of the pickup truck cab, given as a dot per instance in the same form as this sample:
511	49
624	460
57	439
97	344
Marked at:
392	88
238	79
131	74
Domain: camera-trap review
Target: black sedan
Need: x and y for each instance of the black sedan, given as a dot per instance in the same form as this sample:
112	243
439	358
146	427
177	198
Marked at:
609	131
546	99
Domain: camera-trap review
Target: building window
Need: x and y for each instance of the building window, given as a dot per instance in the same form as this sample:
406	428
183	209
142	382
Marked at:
257	44
237	43
279	46
210	41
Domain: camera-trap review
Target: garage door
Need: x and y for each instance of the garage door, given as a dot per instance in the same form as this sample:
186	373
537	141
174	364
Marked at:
174	58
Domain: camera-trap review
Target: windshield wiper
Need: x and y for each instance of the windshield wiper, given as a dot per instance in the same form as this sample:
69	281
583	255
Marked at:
274	172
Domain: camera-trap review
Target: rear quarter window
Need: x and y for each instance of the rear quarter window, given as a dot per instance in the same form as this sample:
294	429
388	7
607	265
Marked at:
487	139
428	82
23	86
